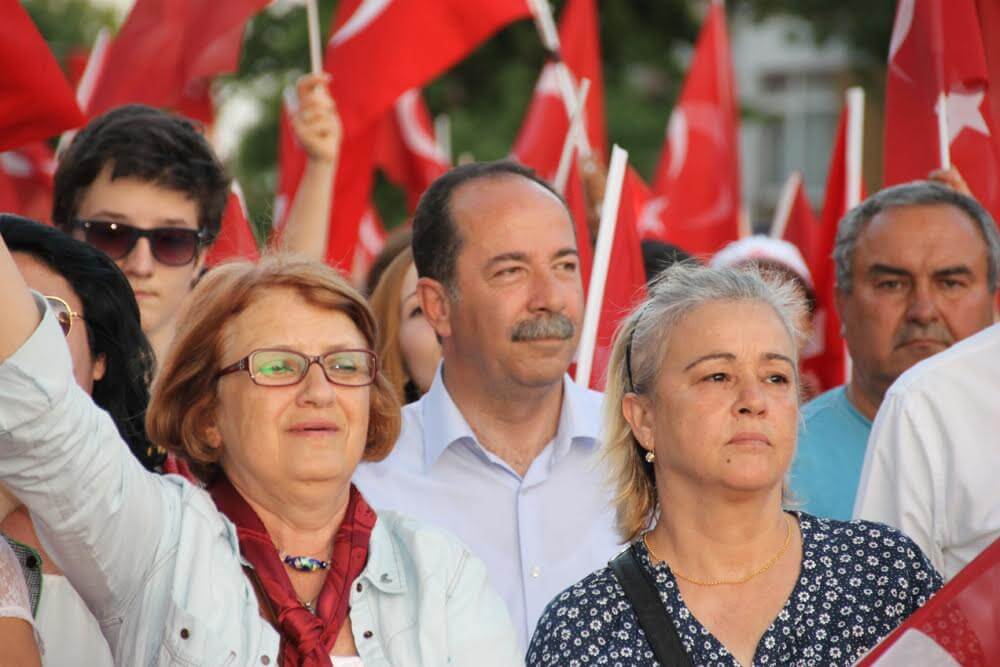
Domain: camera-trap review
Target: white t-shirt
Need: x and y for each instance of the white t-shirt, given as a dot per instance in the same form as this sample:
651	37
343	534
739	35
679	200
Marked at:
14	601
934	452
70	632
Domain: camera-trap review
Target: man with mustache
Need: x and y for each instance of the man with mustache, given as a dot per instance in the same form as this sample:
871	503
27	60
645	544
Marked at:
503	450
916	271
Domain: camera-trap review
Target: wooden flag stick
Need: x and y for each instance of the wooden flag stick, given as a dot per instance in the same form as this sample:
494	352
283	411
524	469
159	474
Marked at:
784	208
442	135
547	32
602	262
571	141
855	143
942	124
315	53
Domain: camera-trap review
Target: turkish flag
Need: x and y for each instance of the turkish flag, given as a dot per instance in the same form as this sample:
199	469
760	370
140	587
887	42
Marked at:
387	47
168	51
815	241
959	626
697	184
827	354
625	285
576	200
406	148
540	140
937	48
26	181
36	101
236	239
371	240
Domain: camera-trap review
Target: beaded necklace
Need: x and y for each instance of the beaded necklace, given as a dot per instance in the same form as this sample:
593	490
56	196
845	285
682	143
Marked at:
305	563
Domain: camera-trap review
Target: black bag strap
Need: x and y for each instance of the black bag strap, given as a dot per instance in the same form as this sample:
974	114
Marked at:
641	591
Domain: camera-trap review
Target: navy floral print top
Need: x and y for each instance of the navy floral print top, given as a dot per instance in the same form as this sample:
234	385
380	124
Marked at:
857	582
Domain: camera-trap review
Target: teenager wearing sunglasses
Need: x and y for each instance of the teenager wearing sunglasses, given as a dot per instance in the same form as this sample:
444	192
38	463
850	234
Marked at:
144	187
113	362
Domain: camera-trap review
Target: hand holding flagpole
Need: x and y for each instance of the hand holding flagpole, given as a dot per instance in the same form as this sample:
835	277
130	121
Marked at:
602	262
315	53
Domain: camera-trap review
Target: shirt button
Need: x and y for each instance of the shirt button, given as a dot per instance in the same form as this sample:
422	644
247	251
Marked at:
265	659
367	634
536	572
185	633
358	587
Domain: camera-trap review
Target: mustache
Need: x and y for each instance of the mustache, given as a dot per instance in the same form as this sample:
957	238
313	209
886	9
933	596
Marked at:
935	332
554	325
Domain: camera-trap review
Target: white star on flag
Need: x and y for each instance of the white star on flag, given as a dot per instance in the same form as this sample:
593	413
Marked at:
963	112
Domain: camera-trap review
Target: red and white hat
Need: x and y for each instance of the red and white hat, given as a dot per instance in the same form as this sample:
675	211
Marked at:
763	249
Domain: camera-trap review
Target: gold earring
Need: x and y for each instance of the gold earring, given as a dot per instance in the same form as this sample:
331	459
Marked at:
650	457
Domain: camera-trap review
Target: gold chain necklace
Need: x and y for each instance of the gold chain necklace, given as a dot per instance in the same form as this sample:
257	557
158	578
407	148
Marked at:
729	582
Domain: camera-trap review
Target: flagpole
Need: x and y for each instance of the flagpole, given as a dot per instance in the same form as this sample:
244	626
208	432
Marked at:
602	262
312	17
855	142
784	209
442	135
565	158
942	124
546	25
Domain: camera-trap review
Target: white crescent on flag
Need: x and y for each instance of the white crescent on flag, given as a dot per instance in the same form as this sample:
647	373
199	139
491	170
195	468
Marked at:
677	140
360	19
901	27
414	134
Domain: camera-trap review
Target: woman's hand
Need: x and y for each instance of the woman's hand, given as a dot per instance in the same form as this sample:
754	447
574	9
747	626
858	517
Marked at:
316	123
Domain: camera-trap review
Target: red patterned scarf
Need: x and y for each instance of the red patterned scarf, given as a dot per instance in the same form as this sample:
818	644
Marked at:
306	639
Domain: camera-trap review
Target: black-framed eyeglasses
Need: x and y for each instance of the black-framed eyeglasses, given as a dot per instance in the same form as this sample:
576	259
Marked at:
281	368
64	314
173	246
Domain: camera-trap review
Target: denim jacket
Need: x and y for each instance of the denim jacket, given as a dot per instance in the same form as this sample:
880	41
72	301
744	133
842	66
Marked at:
160	567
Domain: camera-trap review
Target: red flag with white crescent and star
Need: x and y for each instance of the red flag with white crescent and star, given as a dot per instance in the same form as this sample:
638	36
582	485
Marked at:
937	49
696	202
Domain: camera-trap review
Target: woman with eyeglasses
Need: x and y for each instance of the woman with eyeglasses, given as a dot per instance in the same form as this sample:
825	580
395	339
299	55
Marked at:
272	393
111	361
701	413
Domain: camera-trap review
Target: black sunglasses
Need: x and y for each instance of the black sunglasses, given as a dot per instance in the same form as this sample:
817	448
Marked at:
173	246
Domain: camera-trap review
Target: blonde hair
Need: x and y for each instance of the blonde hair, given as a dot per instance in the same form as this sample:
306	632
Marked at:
184	394
385	301
642	338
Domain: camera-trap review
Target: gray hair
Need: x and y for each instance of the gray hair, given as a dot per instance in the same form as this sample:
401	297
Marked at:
642	340
917	193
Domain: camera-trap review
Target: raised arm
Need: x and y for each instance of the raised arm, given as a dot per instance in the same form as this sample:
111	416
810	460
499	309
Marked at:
20	314
317	128
103	518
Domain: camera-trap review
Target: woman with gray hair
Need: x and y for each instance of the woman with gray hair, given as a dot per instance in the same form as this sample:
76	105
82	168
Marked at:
702	409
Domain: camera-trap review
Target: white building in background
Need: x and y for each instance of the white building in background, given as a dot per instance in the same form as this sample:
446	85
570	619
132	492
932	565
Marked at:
791	91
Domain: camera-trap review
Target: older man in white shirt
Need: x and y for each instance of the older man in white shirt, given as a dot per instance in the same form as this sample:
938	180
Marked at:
503	448
932	461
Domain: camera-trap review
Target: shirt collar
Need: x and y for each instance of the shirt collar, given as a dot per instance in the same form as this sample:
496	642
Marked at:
444	424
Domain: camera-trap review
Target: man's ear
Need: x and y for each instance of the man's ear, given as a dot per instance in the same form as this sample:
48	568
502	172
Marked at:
436	304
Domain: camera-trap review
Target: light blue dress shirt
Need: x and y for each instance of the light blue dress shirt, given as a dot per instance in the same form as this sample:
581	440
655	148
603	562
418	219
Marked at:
830	454
537	534
160	567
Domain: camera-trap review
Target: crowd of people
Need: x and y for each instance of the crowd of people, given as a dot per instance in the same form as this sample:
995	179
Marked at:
179	485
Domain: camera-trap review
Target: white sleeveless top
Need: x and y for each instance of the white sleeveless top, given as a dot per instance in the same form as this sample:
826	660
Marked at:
70	632
14	601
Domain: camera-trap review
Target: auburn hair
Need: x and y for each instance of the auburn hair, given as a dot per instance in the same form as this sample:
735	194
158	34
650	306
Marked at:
184	394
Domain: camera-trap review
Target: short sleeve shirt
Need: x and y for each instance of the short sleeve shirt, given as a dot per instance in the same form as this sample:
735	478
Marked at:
830	454
858	581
